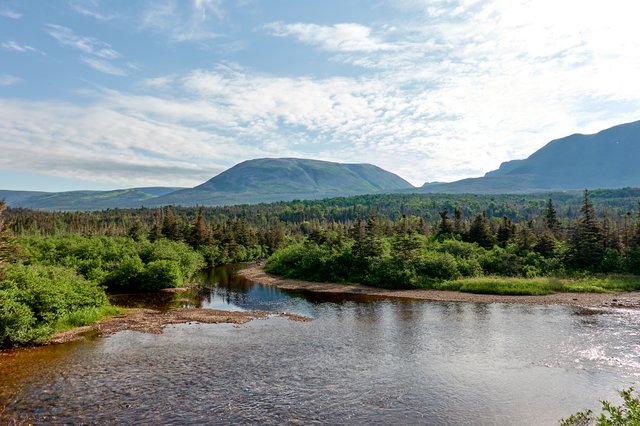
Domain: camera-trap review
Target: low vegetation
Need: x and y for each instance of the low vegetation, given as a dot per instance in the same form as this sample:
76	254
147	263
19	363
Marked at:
626	414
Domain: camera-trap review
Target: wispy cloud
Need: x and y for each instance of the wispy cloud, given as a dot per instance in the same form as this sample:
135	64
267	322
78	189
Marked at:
9	13
95	143
17	47
98	50
345	37
90	8
9	80
182	21
103	66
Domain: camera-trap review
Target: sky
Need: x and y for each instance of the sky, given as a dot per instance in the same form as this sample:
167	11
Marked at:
104	94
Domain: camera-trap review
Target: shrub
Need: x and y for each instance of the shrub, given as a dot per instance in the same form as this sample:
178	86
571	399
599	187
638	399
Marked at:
434	266
16	319
612	415
160	274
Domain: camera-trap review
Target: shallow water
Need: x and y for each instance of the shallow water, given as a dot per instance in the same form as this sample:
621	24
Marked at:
360	361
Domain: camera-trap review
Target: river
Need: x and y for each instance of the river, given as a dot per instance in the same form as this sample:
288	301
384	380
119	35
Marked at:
359	361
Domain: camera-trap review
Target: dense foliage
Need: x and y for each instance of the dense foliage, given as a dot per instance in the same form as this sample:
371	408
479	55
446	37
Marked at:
465	242
409	253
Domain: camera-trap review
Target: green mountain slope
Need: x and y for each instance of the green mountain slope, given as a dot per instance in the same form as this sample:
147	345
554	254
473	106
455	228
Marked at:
83	200
283	179
608	159
254	181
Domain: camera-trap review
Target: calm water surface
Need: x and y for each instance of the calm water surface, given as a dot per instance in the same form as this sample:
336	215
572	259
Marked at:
360	361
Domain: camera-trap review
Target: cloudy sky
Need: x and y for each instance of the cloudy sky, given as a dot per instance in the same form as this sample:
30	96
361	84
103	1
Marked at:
100	94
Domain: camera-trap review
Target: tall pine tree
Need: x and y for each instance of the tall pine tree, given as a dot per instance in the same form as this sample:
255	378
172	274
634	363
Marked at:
587	241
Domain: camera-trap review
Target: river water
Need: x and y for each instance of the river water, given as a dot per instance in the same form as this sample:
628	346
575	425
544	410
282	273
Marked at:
359	361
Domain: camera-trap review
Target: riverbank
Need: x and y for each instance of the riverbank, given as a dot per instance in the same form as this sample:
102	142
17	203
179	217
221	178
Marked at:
153	321
630	300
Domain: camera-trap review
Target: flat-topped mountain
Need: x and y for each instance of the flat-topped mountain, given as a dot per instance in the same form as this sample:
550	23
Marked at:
607	159
283	179
250	182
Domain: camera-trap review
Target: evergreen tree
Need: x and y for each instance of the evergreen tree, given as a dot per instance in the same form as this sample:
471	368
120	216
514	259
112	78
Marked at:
200	234
546	244
458	224
137	231
506	231
445	227
551	217
587	241
274	237
170	225
479	232
635	239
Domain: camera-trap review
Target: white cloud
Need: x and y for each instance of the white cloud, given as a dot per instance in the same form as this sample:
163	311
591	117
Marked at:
8	13
99	144
17	47
9	80
449	90
66	37
344	37
99	50
183	22
90	8
103	66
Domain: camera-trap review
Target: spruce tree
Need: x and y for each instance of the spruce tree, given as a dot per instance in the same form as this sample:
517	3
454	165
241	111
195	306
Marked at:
587	241
170	226
506	231
479	232
551	217
445	227
458	225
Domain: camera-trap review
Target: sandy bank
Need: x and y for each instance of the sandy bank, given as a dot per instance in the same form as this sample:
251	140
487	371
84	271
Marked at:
257	273
152	321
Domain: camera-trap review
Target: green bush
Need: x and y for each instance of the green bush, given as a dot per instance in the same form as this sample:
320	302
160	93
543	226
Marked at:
33	298
16	319
434	267
160	274
188	260
392	273
119	263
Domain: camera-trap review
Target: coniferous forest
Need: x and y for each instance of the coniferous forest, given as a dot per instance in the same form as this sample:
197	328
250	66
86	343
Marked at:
57	267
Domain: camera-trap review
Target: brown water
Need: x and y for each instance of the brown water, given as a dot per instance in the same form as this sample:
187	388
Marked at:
360	361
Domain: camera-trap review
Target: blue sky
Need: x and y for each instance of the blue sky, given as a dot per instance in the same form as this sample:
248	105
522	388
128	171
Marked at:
98	94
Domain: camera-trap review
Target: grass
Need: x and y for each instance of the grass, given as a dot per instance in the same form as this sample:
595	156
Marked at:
86	316
541	286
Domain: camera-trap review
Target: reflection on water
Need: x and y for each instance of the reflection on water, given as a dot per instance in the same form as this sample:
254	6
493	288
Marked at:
359	361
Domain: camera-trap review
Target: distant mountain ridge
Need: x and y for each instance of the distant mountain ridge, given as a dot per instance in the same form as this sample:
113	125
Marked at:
253	181
605	160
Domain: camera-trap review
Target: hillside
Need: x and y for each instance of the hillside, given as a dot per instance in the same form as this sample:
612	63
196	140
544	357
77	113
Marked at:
254	181
83	200
283	179
607	159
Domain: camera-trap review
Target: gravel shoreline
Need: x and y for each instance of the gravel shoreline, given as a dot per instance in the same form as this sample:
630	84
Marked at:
629	300
152	321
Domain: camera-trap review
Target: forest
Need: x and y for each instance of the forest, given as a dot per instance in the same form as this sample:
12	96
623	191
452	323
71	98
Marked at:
57	268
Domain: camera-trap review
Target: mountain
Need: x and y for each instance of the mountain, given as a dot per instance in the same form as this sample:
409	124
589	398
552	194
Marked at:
83	200
284	179
606	160
254	181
